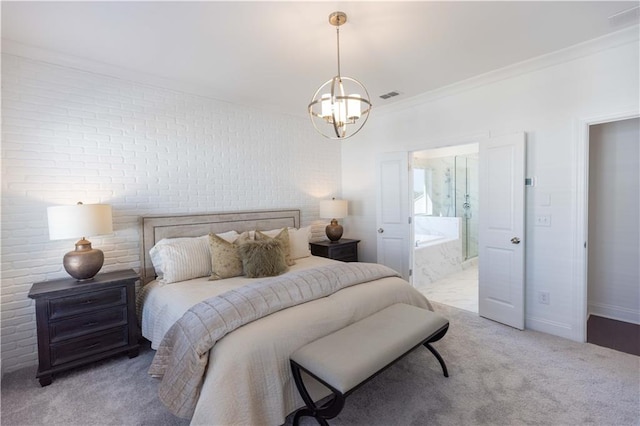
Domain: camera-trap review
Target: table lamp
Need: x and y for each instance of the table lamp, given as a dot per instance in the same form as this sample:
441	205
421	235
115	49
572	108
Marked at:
334	209
79	221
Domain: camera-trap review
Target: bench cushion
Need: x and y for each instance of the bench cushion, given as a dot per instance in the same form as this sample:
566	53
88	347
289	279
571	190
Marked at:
351	355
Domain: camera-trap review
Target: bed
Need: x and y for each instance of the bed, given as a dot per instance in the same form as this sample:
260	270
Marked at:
248	379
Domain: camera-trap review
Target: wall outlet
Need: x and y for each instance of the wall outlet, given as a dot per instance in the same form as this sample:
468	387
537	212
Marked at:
543	297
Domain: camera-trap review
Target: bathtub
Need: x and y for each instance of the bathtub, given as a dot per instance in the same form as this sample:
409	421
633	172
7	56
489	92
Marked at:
423	240
435	257
438	248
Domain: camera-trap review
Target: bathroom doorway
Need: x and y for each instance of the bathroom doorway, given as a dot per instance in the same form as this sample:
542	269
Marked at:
445	224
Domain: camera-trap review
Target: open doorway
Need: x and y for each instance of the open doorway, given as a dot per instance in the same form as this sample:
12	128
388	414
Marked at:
445	223
613	249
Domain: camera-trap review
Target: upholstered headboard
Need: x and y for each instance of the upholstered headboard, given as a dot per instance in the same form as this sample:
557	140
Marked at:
157	227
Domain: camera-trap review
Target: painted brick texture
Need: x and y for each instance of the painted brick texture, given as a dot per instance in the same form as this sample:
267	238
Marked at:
70	135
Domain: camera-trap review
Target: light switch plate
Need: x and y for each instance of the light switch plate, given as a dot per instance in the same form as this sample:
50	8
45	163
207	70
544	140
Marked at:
543	220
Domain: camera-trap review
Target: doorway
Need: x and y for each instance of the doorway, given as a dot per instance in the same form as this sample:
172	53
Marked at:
445	224
613	249
502	160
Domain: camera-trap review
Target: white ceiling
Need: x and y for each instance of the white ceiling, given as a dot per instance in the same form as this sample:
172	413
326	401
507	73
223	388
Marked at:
276	54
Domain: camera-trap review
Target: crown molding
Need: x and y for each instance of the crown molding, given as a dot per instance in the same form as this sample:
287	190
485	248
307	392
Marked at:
94	67
587	48
609	41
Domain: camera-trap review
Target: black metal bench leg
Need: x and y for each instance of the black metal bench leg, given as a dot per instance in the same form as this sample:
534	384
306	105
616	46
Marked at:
328	411
306	412
311	406
438	357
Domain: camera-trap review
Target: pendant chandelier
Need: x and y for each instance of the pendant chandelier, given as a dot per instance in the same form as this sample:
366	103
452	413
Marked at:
341	106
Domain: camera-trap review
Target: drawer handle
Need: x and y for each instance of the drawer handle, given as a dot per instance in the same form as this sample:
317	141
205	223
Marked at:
90	324
95	345
88	301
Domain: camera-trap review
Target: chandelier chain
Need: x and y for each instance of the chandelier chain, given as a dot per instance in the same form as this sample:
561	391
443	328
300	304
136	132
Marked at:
338	49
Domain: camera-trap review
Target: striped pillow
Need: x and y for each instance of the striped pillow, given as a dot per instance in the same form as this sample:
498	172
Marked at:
181	259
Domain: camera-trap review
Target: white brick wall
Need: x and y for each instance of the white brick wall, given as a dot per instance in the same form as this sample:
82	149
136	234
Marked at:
69	136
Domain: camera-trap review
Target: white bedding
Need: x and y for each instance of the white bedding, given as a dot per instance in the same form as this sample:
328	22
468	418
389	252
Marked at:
163	305
248	381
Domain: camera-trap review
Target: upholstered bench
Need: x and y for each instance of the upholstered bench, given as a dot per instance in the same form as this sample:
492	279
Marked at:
345	360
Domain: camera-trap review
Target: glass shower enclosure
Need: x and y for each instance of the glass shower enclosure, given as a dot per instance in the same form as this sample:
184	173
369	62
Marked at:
448	187
466	204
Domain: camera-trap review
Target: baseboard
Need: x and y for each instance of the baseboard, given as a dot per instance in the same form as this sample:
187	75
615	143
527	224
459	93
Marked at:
613	312
551	327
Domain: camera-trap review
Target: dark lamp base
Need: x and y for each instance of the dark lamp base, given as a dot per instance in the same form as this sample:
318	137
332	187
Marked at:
84	262
334	231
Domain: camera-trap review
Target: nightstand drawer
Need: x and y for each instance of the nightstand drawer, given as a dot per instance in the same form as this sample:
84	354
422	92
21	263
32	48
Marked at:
86	302
345	252
88	323
82	347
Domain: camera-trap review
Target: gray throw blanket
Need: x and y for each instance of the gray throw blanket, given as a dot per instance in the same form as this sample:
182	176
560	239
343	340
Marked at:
181	359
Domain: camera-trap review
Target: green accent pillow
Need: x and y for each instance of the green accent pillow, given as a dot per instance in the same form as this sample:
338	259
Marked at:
225	260
262	258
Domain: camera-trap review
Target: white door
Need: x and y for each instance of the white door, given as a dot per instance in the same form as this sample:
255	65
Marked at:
393	217
501	233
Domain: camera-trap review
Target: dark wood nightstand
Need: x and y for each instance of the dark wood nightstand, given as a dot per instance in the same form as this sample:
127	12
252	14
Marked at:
345	250
80	322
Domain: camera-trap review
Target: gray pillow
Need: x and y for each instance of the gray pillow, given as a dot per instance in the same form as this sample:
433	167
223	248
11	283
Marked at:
263	258
283	237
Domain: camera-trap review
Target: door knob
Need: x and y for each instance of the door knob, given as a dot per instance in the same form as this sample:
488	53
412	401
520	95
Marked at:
515	240
380	230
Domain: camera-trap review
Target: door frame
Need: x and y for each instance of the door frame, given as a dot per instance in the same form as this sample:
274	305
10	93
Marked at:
581	213
470	139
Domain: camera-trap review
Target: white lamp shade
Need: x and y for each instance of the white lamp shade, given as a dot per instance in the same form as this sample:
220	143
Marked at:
326	105
353	106
81	220
333	209
341	111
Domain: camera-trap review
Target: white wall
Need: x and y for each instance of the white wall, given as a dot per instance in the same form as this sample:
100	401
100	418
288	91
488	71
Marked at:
614	220
546	99
69	135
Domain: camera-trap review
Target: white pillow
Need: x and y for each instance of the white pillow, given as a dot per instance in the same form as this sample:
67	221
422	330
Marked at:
318	231
181	259
299	242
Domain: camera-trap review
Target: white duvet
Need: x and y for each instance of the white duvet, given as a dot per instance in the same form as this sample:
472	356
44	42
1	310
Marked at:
248	380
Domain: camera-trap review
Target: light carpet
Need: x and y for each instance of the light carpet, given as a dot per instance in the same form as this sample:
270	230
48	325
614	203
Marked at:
498	376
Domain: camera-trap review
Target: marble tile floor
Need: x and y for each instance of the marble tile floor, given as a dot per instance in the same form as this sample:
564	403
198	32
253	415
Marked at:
459	290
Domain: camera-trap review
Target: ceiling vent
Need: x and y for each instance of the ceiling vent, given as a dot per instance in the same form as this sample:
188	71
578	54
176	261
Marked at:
389	95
